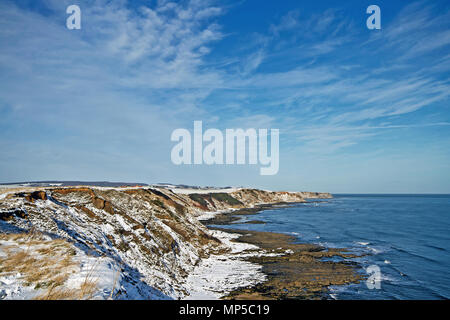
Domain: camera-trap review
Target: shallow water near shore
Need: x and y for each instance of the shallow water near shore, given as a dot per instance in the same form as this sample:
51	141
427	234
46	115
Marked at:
406	236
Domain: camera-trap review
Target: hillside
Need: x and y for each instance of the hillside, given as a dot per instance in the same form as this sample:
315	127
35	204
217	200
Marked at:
149	241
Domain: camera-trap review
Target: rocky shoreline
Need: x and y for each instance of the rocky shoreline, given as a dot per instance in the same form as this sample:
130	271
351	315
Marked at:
293	270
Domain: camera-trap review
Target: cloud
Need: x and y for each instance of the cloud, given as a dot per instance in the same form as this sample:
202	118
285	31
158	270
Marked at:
253	62
289	21
327	93
112	90
418	29
106	97
118	47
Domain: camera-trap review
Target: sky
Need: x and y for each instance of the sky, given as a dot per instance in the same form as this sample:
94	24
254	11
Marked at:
359	110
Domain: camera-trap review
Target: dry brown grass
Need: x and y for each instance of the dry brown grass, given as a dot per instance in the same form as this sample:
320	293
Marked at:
44	264
58	292
55	293
87	289
12	237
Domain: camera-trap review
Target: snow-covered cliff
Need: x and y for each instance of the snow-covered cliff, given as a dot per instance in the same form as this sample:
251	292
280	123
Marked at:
148	239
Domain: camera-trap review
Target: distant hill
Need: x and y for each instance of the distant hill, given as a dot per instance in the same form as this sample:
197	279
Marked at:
53	183
73	183
185	186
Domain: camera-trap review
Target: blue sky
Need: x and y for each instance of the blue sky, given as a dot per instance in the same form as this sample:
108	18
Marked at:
358	110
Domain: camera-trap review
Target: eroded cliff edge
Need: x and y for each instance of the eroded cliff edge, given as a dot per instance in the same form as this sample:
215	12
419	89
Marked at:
151	235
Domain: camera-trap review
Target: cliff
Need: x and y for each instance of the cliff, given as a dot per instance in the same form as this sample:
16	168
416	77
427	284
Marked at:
150	236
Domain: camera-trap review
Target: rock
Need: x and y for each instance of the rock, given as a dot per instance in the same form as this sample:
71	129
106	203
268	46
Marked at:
108	207
98	203
39	195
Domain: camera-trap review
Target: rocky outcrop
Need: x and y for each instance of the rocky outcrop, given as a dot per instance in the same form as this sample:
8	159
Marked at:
251	197
316	195
152	233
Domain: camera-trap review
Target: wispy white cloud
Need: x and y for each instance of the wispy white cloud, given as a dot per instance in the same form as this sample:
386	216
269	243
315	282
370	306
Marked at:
253	61
118	87
415	31
289	21
113	89
327	94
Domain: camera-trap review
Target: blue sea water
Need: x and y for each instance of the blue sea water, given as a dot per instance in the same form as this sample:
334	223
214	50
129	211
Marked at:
406	236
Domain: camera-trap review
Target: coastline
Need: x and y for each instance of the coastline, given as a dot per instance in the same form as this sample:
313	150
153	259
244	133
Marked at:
220	274
291	270
158	237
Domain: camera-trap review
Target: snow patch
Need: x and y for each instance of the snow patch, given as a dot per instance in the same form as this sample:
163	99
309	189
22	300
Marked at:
203	191
218	275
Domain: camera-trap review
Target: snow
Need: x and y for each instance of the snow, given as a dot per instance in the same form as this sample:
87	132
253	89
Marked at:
212	214
13	288
103	272
218	275
203	191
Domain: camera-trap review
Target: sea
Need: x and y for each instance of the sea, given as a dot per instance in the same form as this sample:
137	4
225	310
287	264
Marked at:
403	240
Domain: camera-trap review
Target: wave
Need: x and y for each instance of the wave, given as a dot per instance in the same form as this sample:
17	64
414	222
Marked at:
415	255
435	247
375	250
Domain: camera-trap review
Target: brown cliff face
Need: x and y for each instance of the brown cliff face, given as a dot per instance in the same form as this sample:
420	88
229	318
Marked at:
250	197
243	198
39	195
316	195
34	195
